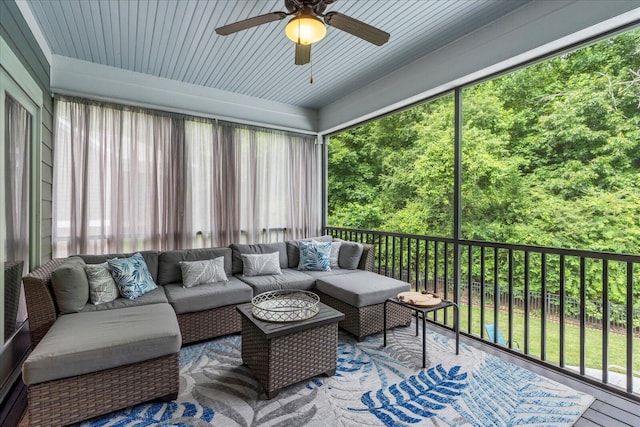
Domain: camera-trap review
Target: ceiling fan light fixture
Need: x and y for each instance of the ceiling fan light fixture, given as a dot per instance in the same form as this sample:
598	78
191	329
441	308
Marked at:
305	29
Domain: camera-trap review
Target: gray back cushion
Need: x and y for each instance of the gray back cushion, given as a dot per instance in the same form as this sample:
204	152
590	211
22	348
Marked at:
350	254
70	285
293	248
258	248
169	270
150	258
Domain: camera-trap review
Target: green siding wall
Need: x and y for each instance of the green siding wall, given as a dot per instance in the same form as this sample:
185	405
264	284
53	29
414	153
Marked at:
15	31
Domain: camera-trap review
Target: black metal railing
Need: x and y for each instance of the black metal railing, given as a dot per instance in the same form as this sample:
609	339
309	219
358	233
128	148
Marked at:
569	310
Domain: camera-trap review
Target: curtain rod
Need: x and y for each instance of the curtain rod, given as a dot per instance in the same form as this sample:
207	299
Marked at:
170	110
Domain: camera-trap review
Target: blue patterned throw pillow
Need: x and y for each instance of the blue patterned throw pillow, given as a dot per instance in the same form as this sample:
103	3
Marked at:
315	256
132	276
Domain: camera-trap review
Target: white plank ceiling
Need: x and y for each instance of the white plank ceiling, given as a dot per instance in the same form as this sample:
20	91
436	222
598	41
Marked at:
175	39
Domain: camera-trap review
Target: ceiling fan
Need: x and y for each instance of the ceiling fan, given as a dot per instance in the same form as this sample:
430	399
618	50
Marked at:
306	27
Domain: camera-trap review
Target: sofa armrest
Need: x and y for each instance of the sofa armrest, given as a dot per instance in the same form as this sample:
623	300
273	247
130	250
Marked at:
41	307
366	261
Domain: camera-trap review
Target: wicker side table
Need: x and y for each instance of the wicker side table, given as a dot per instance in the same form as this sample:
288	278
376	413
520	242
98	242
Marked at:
282	354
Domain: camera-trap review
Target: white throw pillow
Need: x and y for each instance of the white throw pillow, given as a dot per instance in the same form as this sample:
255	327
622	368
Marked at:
261	264
102	287
200	272
335	251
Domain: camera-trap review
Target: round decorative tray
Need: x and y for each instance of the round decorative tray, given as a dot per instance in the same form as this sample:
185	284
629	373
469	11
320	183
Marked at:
285	305
419	299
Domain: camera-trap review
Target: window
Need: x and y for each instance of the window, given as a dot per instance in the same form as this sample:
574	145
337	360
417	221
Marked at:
20	121
129	179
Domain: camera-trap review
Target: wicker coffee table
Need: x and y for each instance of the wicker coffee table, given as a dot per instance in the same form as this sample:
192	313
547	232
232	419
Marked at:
282	354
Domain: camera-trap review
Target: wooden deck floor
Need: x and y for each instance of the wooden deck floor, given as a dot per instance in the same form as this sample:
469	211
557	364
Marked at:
608	410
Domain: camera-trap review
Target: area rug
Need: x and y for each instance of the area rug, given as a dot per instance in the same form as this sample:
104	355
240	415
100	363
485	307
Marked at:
373	386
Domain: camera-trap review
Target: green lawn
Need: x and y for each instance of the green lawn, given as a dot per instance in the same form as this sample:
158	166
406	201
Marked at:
593	338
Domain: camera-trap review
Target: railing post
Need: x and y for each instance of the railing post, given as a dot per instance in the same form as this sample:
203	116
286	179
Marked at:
386	255
470	288
496	294
629	327
417	265
510	308
605	321
324	159
426	265
393	256
457	201
482	296
435	270
446	279
543	306
435	274
379	253
401	256
562	310
526	301
583	314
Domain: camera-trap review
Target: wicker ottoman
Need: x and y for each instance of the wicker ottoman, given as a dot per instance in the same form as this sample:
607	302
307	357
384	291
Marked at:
360	296
282	354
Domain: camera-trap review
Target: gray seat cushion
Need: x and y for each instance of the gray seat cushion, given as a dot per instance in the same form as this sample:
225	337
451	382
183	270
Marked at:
156	296
258	248
289	279
208	295
361	288
333	272
169	262
81	343
150	258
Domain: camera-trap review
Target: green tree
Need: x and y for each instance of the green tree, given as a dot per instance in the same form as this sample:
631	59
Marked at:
551	154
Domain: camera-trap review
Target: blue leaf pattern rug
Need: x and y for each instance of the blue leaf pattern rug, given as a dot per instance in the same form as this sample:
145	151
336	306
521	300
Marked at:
373	386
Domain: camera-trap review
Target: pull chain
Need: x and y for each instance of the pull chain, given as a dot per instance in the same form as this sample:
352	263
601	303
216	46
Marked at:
311	71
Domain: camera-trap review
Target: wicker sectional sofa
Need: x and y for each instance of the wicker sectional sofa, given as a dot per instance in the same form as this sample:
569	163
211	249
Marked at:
114	355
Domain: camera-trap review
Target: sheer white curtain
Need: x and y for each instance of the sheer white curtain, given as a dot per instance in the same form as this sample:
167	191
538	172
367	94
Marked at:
253	184
127	179
212	213
304	207
16	206
271	166
116	185
16	181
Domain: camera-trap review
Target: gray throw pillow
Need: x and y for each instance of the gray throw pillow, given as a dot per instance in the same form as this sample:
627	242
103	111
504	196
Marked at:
261	264
102	287
201	272
335	252
350	254
70	285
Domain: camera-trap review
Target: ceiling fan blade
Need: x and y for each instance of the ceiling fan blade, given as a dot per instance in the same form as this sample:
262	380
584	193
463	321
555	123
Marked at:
357	28
249	23
303	54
